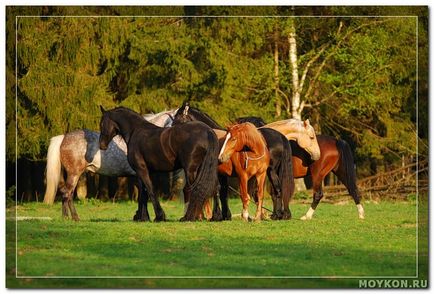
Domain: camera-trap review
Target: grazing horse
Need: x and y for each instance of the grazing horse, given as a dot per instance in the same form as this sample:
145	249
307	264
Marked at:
249	163
191	146
336	157
78	151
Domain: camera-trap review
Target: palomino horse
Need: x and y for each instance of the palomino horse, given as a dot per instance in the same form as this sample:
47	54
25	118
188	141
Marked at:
191	146
296	130
247	163
78	151
336	157
279	171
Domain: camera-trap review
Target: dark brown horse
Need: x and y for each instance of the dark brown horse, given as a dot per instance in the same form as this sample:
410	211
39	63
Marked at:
336	156
191	146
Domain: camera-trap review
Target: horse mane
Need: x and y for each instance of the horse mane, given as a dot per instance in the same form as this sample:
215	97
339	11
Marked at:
134	115
248	133
296	123
201	116
255	120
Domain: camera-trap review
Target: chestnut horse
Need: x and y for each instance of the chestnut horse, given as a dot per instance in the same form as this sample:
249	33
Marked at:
336	156
249	163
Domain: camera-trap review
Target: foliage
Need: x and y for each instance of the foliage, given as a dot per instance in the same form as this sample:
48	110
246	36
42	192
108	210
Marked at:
107	242
10	196
360	71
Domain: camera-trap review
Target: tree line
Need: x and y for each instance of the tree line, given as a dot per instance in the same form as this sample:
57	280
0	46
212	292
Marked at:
353	71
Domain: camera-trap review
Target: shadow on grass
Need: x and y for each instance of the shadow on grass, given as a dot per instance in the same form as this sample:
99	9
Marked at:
118	220
106	220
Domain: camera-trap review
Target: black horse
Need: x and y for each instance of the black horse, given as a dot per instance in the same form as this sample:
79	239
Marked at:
279	172
192	147
336	157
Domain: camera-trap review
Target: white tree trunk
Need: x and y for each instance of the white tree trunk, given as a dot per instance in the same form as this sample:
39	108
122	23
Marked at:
296	105
276	77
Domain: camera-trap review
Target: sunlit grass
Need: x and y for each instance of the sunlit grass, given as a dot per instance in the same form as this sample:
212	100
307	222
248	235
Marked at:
107	243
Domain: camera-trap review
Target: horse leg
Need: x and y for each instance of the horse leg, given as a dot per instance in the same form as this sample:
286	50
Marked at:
350	184
142	213
68	195
245	198
216	212
223	193
143	173
317	196
195	204
187	196
261	183
276	195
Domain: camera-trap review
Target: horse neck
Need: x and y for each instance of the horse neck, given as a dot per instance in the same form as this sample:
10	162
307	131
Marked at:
127	123
256	143
197	115
290	128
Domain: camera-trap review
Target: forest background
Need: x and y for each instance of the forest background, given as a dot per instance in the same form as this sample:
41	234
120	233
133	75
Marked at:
357	73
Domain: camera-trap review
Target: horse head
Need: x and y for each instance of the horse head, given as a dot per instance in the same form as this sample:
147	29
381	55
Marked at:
238	137
307	140
108	129
182	115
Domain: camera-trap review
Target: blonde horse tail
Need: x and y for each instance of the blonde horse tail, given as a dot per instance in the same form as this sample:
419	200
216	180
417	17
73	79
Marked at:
53	170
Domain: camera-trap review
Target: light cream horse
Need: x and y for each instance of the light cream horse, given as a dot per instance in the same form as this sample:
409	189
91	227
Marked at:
300	131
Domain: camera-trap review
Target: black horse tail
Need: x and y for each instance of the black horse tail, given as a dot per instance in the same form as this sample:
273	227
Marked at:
346	171
205	184
286	176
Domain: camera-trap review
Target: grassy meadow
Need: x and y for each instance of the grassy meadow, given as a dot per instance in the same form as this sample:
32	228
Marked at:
107	249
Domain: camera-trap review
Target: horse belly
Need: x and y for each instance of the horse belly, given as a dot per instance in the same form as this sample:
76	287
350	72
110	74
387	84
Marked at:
112	162
299	170
161	165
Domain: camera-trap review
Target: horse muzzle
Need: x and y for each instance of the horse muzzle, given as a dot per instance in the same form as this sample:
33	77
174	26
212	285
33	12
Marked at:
223	158
315	155
103	145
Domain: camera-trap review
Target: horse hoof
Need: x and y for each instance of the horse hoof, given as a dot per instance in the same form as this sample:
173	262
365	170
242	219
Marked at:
305	217
216	218
361	216
76	218
287	216
136	218
161	218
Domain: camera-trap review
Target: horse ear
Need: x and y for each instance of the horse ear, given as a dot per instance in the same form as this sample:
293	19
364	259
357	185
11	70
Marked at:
306	123
102	109
186	106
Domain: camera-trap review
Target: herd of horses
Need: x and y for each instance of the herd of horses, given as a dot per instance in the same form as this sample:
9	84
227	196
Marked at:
188	139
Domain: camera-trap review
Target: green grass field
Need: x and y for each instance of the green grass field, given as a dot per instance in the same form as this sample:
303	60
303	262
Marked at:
334	249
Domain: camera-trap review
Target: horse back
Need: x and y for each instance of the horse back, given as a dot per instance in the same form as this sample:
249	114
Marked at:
165	148
182	136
